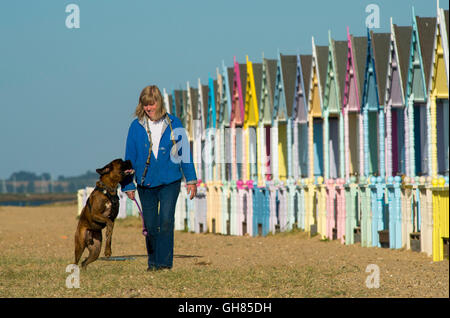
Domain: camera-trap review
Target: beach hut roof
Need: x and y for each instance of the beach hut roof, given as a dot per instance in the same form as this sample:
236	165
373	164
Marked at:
305	61
403	46
380	49
178	101
289	71
340	51
257	76
194	102
322	62
426	27
271	73
359	48
243	74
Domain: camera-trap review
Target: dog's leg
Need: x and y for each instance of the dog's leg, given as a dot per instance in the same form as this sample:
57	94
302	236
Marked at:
109	230
80	243
94	246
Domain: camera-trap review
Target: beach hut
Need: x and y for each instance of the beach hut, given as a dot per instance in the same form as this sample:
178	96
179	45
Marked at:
281	139
315	111
262	195
224	115
282	116
315	196
397	138
251	119
300	136
354	84
214	215
419	68
377	62
300	117
269	71
333	125
351	106
237	118
438	98
439	146
420	58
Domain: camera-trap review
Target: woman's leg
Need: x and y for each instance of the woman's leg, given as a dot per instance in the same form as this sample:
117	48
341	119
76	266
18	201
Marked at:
168	196
149	201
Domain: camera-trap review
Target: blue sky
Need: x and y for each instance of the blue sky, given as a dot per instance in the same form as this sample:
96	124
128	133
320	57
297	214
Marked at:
67	96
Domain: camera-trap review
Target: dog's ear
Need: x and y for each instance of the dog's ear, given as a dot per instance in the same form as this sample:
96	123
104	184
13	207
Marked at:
106	169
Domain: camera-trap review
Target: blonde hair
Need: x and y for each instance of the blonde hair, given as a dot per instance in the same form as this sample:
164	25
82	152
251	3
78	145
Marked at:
149	96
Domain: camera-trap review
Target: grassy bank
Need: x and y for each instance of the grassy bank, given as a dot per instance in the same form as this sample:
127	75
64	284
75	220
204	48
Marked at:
36	245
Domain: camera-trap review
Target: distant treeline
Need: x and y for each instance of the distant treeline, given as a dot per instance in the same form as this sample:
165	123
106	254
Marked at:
29	182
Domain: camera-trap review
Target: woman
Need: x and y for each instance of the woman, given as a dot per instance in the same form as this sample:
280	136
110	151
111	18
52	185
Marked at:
158	148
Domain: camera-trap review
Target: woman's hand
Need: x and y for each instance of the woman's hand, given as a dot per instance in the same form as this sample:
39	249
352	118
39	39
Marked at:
131	194
192	189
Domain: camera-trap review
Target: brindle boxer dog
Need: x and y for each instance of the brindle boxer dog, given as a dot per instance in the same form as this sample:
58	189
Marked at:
101	210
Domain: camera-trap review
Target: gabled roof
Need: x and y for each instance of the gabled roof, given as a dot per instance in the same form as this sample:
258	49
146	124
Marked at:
243	74
268	73
194	102
380	49
289	71
322	61
204	101
359	49
271	73
306	61
446	22
257	75
403	45
178	101
300	111
239	83
211	108
426	27
340	51
251	110
225	100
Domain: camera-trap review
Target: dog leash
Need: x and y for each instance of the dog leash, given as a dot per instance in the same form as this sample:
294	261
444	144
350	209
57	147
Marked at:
144	230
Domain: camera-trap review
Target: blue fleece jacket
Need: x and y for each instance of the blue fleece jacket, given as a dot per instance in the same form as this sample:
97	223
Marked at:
171	163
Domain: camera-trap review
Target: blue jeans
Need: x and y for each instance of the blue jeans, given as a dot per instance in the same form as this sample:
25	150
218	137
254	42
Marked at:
160	225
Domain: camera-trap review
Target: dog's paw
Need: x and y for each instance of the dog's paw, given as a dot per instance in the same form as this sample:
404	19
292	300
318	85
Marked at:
108	253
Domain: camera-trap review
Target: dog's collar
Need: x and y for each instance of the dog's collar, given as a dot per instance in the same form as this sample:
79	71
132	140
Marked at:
105	189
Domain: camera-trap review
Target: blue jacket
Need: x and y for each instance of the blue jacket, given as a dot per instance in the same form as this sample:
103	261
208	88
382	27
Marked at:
169	166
